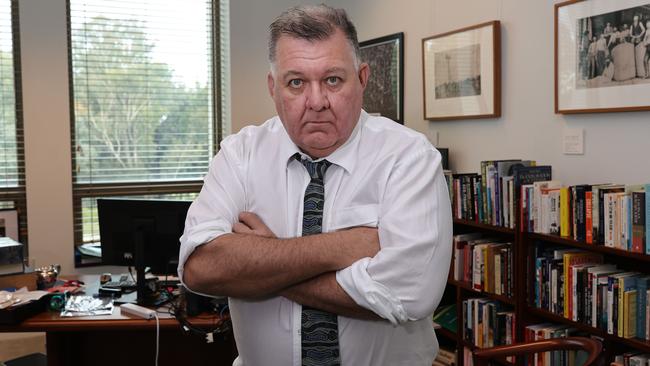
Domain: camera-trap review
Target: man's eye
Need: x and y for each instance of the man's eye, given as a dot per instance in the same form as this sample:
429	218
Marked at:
295	83
333	80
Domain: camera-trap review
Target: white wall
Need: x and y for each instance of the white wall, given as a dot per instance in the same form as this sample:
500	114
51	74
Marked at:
528	128
47	132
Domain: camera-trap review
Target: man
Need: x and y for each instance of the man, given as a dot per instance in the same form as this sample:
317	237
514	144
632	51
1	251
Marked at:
328	229
601	54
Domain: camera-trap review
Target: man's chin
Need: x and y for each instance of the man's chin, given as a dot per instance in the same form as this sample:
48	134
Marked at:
319	150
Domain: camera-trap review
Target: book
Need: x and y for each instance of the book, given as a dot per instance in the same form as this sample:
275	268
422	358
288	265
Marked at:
580	208
537	201
642	286
594	274
596	210
638	222
11	256
571	259
601	209
565	218
589	218
447	317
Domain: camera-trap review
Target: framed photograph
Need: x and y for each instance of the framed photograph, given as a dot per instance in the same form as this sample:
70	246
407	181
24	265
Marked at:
9	224
462	73
602	56
384	94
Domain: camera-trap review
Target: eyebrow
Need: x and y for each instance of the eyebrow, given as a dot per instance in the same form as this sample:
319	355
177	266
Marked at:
294	73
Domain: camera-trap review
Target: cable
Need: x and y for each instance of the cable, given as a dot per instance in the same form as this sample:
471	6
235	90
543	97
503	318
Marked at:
155	314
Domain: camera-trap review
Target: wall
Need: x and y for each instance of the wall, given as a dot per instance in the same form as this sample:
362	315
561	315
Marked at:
47	131
528	127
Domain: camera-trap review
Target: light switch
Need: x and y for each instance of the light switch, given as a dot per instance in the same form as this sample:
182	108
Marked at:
573	141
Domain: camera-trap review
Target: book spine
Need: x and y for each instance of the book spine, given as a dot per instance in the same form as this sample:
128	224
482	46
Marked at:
641	288
580	221
647	219
601	216
565	228
588	218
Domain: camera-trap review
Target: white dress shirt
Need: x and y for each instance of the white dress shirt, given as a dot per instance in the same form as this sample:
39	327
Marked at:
385	176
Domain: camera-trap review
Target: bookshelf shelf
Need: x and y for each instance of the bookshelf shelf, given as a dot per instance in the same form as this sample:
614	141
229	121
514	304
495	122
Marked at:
589	247
484	227
468	288
632	342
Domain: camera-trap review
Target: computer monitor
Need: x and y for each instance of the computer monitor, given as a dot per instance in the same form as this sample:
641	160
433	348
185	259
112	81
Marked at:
141	233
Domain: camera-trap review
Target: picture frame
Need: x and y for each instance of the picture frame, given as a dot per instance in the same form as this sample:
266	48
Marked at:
9	224
602	62
384	94
461	73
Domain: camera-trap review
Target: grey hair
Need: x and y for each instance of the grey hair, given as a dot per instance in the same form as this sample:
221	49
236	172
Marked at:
312	23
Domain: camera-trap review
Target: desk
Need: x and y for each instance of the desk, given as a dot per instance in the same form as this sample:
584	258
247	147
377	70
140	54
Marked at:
122	340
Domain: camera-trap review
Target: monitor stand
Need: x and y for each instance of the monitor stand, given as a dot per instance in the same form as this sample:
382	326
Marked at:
145	295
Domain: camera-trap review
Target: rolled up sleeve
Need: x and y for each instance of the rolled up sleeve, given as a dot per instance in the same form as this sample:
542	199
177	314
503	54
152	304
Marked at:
406	279
216	209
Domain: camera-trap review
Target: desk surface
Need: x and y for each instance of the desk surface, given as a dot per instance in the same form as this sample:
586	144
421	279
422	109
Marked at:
52	321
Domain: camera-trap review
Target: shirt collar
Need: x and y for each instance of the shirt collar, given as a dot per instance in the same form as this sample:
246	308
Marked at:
344	156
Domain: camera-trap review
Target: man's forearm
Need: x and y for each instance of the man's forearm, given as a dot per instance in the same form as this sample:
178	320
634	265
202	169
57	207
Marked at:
250	266
324	293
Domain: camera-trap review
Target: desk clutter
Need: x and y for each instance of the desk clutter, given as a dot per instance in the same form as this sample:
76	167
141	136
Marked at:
28	294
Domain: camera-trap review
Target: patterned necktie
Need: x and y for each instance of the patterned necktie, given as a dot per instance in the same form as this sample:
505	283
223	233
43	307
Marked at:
319	330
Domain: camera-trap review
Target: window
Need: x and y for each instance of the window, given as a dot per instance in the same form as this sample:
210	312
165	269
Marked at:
146	106
12	161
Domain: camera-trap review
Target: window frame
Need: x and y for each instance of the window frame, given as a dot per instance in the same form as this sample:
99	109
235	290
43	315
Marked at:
97	190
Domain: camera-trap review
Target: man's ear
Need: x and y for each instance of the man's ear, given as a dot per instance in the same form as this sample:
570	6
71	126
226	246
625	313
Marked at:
271	83
364	74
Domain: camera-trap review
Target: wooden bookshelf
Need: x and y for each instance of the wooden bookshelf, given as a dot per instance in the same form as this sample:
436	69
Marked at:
636	343
523	245
598	248
475	293
465	291
484	227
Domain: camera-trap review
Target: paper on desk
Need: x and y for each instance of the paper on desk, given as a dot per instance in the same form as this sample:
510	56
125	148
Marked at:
19	297
87	306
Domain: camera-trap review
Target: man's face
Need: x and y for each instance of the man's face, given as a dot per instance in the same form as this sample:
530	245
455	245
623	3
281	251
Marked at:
317	91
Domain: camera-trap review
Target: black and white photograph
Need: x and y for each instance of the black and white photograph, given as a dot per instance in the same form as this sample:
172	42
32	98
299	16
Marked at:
458	72
614	48
384	94
602	56
461	72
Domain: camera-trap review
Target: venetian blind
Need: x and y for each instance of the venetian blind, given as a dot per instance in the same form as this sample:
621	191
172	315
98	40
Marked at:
143	93
12	164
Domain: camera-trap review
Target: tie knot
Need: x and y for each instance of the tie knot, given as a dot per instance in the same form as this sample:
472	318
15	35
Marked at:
316	169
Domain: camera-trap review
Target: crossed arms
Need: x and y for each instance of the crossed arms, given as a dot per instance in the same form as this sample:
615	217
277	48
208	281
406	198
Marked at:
252	263
230	253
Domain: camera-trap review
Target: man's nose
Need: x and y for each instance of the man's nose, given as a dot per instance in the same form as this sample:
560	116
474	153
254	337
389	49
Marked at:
317	98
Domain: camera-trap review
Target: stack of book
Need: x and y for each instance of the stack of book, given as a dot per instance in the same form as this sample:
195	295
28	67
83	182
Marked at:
485	263
487	324
577	285
613	215
490	197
